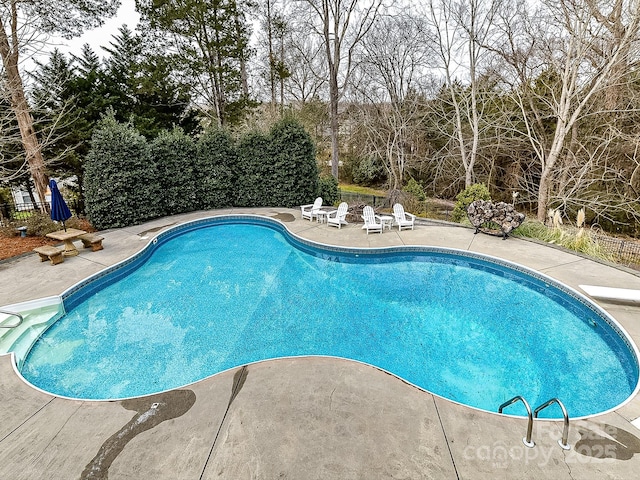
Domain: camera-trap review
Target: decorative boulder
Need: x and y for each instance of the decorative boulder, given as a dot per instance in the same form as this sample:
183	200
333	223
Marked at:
483	214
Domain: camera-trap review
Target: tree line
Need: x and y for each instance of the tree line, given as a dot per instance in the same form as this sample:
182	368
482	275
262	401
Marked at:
534	98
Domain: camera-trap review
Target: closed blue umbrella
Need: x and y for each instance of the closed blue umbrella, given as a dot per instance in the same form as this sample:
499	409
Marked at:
59	210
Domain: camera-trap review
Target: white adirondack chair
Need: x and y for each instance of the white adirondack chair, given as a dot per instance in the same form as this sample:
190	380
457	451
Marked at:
371	220
310	211
404	220
337	218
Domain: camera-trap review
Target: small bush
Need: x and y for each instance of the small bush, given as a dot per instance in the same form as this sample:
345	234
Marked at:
477	191
534	229
414	188
8	228
369	171
328	190
39	224
80	223
412	197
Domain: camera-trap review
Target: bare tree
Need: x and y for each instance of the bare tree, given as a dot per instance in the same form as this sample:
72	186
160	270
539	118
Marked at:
561	62
463	29
23	25
393	64
304	57
13	164
342	24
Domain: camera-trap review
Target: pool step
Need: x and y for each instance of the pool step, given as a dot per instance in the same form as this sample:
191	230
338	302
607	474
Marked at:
38	316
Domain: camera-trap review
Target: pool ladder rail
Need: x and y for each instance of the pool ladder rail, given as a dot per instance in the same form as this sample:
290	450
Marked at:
11	314
527	440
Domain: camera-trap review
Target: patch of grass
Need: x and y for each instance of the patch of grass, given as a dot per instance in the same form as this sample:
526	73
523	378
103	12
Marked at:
534	229
349	188
578	240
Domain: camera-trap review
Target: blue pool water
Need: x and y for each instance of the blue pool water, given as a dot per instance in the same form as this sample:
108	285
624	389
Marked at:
225	294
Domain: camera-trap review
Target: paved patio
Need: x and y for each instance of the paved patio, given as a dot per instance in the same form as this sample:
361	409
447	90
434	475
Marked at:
302	418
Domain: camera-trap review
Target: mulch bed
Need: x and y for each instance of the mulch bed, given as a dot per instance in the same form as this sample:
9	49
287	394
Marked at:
13	246
16	245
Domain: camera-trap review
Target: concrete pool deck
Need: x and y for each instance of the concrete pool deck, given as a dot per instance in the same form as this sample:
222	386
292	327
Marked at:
303	418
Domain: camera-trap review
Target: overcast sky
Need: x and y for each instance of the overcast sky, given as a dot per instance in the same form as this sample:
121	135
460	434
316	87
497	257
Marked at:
102	36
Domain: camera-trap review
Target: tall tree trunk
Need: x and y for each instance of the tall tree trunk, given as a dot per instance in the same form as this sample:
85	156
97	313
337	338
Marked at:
468	174
272	61
333	61
548	165
475	129
20	107
543	197
281	76
219	79
335	128
244	77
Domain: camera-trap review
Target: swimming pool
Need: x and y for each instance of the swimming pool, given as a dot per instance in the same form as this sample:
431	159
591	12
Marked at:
218	293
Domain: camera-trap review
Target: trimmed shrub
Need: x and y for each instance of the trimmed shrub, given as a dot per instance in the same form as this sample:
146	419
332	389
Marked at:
293	156
214	168
174	154
328	190
254	171
121	182
477	191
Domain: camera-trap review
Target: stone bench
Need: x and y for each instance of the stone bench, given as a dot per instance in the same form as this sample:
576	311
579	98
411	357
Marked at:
484	214
92	241
47	252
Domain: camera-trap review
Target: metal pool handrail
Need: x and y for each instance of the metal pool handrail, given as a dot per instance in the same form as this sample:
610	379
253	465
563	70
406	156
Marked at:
527	440
565	431
12	314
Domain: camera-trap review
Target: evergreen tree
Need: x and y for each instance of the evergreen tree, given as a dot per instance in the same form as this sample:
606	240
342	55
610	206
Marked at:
57	118
142	88
210	43
92	95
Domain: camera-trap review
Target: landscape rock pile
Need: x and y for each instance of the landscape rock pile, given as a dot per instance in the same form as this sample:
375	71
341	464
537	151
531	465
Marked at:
485	214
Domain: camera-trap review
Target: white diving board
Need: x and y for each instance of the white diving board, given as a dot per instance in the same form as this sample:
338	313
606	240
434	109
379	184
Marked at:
610	293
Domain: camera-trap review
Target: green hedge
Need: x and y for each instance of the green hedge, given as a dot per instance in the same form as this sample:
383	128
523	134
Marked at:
128	180
293	155
215	160
174	153
328	190
254	171
121	180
